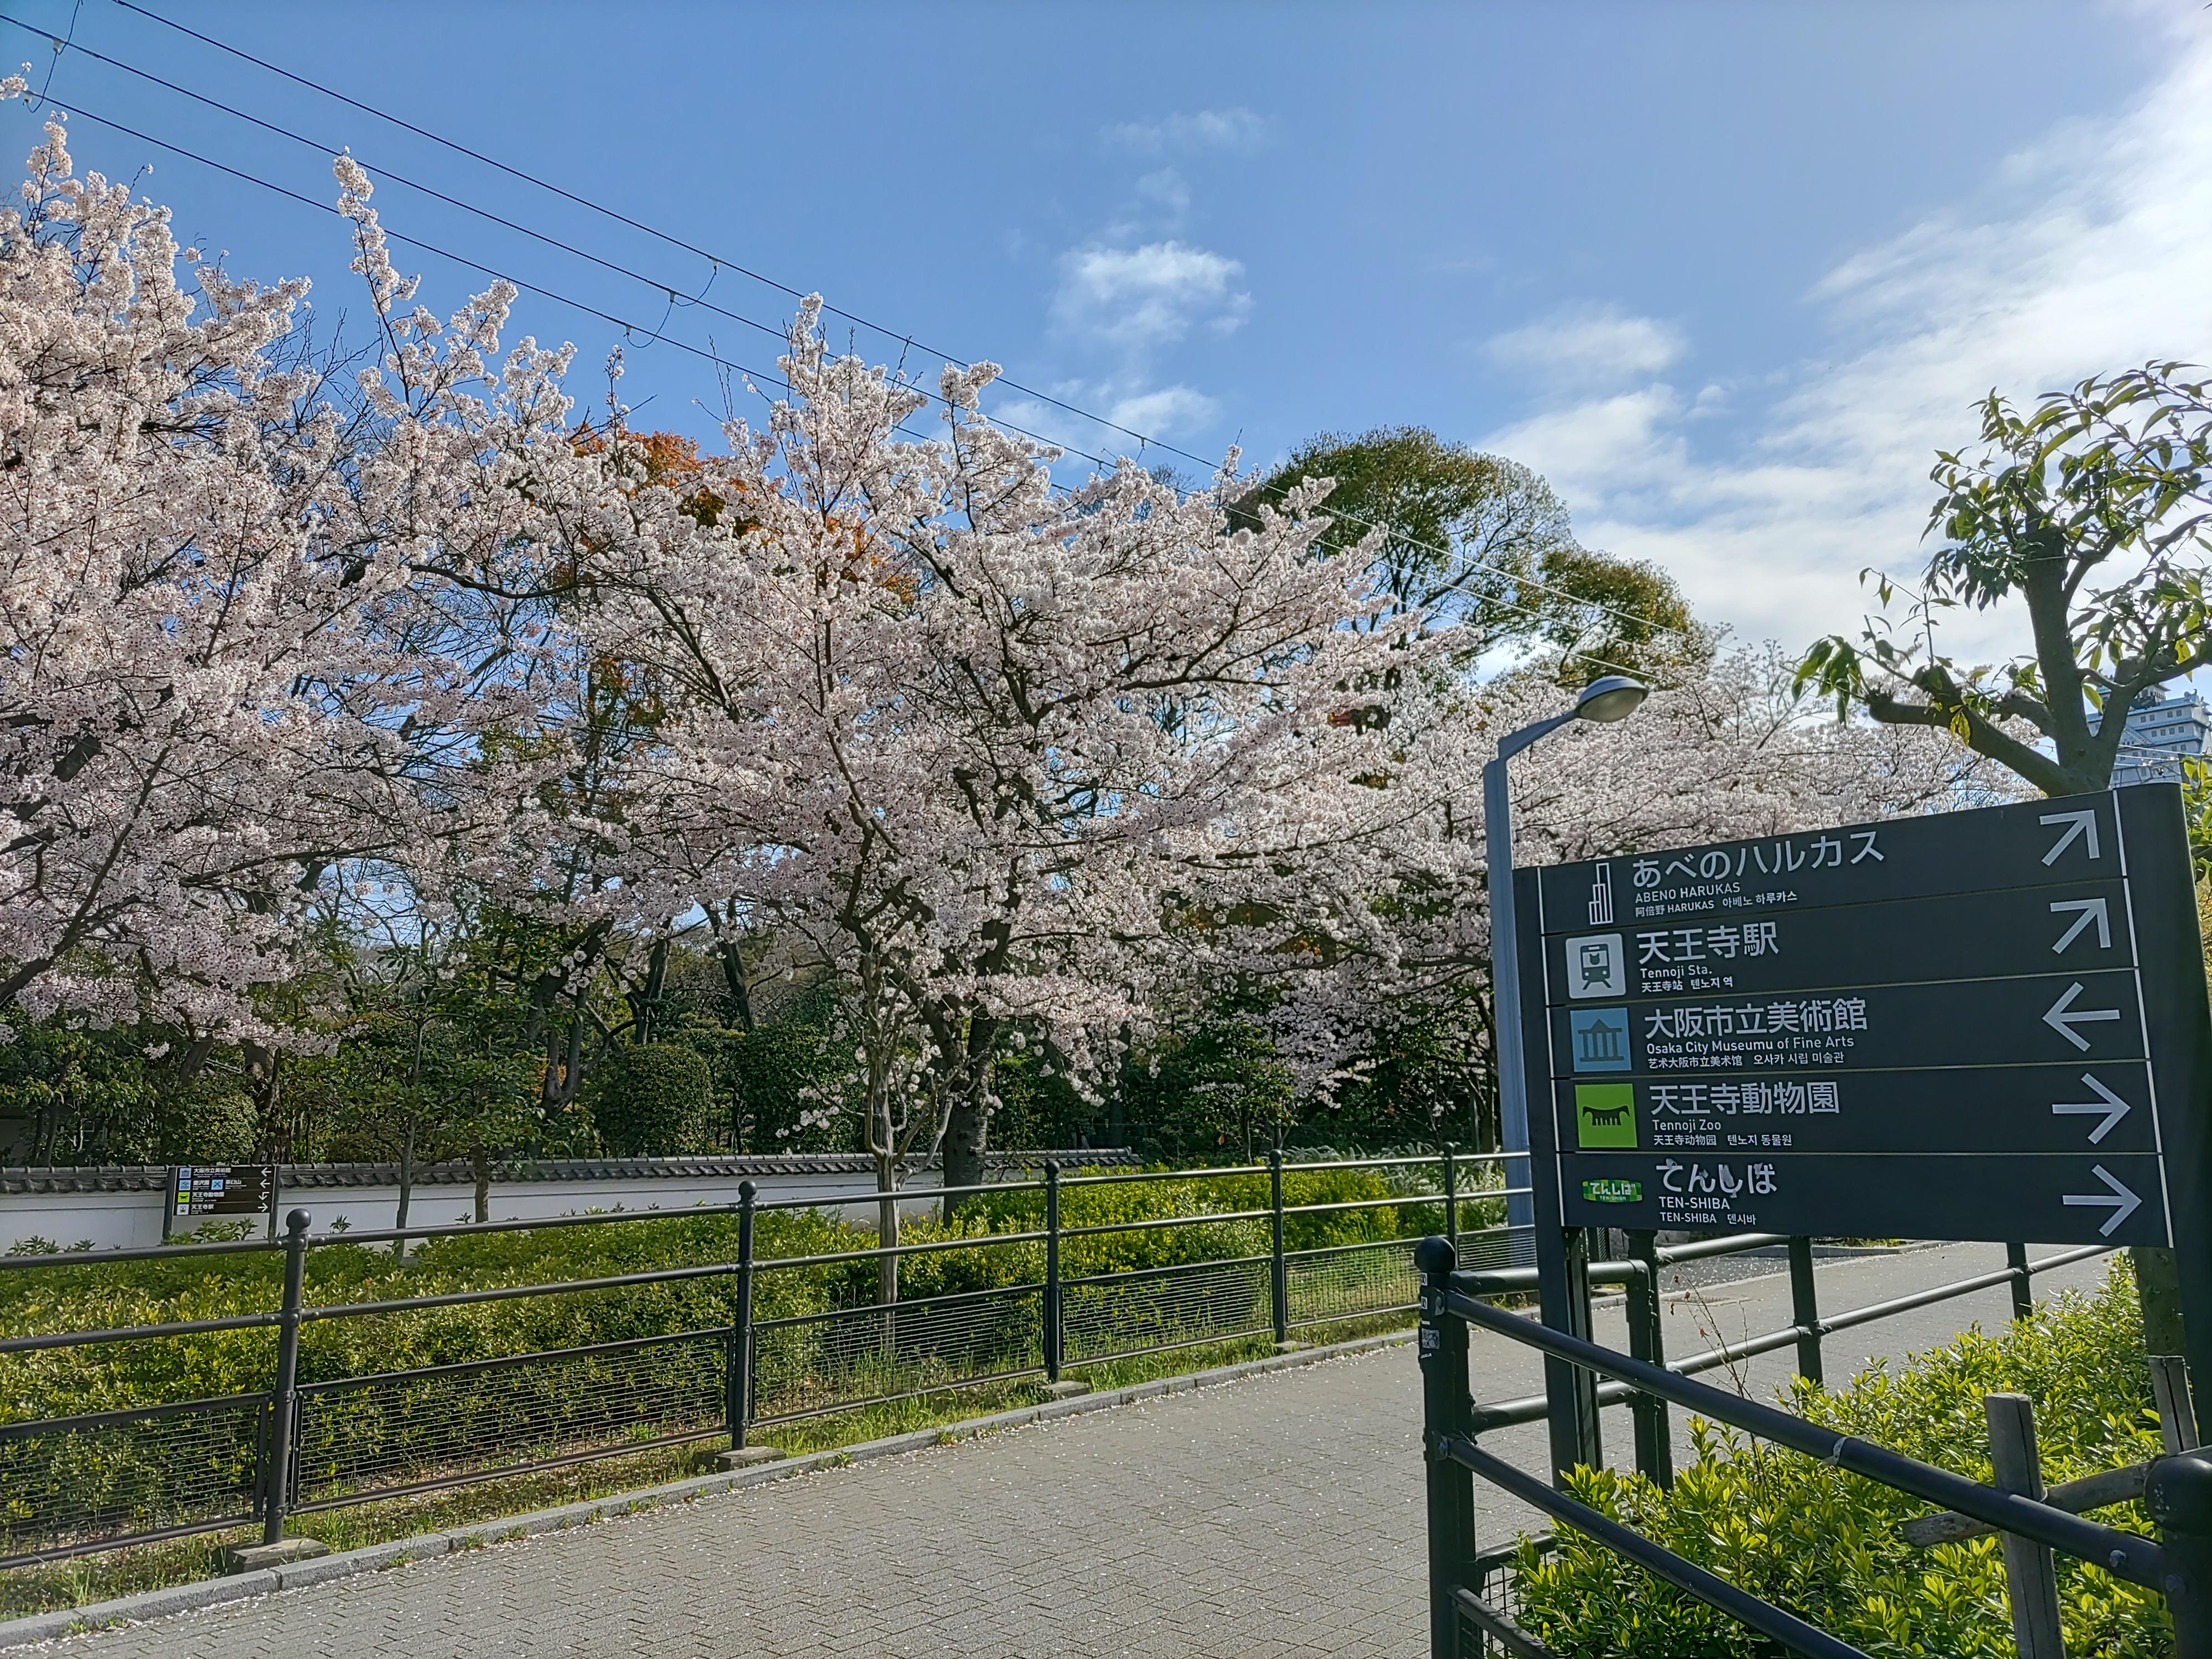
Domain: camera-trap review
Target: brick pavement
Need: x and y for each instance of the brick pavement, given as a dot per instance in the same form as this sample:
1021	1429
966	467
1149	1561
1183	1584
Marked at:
1275	1515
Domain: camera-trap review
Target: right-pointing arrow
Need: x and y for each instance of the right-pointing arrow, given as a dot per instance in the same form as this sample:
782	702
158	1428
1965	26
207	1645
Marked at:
2108	1105
2059	1020
2122	1202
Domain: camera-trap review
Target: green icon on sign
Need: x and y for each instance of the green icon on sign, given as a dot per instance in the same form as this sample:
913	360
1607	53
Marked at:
1612	1192
1605	1115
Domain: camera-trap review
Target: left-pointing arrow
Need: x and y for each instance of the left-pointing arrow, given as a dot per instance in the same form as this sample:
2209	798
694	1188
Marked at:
2108	1105
2057	1017
2122	1202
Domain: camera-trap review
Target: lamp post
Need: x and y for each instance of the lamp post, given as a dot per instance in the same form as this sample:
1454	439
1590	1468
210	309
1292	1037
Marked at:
1611	698
1561	1289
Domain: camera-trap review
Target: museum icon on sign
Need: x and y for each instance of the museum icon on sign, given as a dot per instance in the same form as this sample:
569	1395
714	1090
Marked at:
1599	1038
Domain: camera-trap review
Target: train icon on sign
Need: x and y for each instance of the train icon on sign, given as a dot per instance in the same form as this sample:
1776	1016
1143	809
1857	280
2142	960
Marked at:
1597	966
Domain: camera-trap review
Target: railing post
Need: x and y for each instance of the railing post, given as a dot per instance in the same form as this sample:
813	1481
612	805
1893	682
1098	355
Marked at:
2177	1497
1654	1447
738	1364
2177	1412
2031	1579
1576	1434
1451	1199
1805	1310
2023	1286
1447	1411
1051	1270
284	1397
1278	1283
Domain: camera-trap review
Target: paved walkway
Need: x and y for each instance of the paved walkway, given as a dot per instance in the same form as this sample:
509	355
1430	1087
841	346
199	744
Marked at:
1276	1516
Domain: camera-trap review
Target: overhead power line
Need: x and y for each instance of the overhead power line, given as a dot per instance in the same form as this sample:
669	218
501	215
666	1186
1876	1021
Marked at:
628	325
720	262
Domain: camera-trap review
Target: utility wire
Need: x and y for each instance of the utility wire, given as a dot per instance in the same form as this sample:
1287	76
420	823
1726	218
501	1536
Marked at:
718	262
628	326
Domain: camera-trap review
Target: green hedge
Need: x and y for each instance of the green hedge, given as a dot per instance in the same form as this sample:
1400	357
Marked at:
93	1296
1825	1544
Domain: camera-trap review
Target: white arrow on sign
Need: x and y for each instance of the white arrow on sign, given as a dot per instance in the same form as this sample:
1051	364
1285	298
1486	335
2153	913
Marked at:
2108	1105
2122	1202
2086	911
2059	1020
2078	824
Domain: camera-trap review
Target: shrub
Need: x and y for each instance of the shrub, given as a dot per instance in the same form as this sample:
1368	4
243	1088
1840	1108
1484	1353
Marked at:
1825	1544
657	1100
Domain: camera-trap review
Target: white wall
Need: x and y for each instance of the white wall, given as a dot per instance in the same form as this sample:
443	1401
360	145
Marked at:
123	1220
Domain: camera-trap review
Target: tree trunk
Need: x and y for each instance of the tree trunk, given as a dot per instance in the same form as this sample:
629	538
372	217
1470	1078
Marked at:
967	1130
480	1160
406	1188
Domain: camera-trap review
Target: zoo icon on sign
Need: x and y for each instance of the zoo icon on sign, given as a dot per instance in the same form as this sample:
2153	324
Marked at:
1597	966
1600	1039
1605	1115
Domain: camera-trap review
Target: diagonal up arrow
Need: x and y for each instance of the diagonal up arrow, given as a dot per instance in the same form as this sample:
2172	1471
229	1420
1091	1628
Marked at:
2122	1202
2086	911
2109	1105
2078	825
2059	1020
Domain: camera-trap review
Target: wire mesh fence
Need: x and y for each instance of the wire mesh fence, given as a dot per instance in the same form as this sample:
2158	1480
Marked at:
807	1364
100	1480
493	1369
1110	1315
447	1425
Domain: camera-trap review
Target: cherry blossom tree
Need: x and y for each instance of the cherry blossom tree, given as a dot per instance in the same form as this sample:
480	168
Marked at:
249	644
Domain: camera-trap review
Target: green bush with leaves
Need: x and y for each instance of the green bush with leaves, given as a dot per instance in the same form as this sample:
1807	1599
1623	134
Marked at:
1825	1545
656	1100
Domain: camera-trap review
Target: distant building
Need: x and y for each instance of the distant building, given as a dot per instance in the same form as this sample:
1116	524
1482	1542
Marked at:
2159	732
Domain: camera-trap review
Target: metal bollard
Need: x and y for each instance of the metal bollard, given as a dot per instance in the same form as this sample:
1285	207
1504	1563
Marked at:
1446	1409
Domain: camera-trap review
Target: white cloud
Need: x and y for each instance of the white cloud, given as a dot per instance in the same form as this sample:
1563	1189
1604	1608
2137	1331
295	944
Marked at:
1166	412
1233	130
2089	252
1137	299
1591	346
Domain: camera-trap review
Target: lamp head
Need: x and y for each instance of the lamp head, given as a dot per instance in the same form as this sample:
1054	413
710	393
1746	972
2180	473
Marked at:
1613	697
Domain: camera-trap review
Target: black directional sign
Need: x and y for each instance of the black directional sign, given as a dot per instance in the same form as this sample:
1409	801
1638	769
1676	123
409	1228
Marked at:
197	1189
1988	1024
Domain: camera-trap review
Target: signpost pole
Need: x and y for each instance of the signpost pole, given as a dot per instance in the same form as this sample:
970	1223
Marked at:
1805	1308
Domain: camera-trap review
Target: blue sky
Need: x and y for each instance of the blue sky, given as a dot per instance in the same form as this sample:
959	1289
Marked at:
1726	273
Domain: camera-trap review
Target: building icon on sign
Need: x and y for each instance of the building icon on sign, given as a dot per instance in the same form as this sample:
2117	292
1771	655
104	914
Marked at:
1599	1039
1601	904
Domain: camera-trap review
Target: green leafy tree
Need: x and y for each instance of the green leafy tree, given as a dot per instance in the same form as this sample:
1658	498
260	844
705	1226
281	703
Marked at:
1482	540
2091	511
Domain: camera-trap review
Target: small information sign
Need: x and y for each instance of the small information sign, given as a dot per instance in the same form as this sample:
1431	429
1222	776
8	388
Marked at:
216	1189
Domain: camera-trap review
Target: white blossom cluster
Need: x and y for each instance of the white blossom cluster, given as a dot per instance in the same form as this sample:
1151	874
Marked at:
1021	764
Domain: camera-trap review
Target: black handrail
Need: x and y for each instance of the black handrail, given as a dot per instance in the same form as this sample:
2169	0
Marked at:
2125	1554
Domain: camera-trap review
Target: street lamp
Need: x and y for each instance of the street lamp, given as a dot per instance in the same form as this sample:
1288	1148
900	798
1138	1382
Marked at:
1613	697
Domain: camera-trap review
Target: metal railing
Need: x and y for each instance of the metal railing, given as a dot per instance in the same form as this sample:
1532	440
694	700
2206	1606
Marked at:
1469	1617
718	1349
